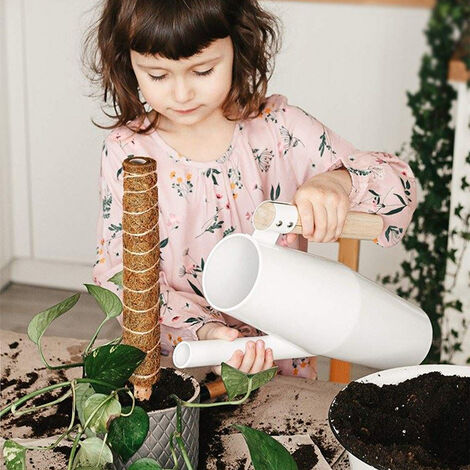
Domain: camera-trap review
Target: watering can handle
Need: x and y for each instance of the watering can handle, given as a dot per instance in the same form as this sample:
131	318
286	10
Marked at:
357	225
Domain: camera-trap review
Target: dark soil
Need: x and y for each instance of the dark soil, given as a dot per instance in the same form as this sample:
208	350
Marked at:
210	442
64	450
40	424
168	384
52	424
305	457
211	429
420	424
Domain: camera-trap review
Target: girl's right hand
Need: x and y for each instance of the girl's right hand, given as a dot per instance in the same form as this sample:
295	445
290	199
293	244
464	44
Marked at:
255	359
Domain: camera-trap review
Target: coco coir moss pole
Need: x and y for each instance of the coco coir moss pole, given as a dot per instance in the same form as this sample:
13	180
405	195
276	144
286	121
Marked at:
141	255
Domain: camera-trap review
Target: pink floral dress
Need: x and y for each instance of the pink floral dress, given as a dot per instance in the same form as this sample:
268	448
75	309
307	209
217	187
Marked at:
269	157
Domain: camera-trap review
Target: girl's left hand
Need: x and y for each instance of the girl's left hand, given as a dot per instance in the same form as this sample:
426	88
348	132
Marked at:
323	203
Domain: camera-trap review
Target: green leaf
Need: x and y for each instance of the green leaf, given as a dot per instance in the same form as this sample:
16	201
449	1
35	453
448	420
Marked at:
127	433
93	453
116	279
105	414
266	453
38	325
83	391
112	363
14	455
145	464
236	382
263	377
108	301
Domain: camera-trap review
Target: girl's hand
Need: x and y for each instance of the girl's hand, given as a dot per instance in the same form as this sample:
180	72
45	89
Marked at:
255	359
323	203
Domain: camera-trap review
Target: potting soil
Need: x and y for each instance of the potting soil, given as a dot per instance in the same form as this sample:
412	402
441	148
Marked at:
169	383
419	424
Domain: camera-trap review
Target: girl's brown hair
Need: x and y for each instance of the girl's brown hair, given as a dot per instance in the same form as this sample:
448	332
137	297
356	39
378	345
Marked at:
177	29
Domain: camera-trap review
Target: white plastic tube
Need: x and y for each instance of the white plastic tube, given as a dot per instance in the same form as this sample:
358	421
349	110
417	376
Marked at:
214	352
317	304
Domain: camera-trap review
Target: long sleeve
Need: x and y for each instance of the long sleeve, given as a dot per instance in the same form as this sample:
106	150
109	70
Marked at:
381	183
182	313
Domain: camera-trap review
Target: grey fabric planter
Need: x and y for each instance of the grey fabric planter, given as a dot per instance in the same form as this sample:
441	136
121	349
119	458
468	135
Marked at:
162	425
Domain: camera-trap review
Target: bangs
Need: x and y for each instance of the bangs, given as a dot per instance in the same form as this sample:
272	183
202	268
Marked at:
176	29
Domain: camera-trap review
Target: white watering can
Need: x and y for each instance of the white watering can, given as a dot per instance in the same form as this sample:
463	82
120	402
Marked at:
308	305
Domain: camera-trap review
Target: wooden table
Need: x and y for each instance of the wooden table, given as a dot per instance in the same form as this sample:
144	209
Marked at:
287	406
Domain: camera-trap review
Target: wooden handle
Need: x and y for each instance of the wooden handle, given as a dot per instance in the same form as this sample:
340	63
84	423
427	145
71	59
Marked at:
212	390
357	225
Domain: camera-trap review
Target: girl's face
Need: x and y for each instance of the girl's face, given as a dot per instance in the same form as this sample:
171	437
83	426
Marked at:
199	84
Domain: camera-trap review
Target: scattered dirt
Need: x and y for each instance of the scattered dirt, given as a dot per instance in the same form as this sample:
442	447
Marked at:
303	457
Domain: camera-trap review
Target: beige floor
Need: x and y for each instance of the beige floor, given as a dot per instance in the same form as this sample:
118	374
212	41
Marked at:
19	303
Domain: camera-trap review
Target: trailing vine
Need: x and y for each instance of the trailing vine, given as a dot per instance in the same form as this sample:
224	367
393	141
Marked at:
421	277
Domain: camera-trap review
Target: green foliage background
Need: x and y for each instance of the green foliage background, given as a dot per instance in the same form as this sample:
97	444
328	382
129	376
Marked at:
432	144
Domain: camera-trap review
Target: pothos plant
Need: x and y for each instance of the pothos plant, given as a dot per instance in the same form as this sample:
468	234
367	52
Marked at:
100	427
422	275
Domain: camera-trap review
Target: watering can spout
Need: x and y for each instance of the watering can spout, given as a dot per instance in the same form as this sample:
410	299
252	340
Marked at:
315	303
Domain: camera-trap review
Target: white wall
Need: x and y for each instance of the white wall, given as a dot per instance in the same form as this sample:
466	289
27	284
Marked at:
6	247
348	65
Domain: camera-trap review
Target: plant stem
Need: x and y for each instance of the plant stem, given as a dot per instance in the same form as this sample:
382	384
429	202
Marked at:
74	447
16	412
56	442
180	443
52	387
85	426
32	395
132	406
69	429
102	447
114	341
179	424
64	366
222	403
93	339
173	452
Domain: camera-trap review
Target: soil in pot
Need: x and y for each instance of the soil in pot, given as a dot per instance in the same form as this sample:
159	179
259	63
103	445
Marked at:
169	383
420	424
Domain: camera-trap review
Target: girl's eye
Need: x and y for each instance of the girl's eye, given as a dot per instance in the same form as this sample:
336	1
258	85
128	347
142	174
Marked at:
207	72
153	77
200	74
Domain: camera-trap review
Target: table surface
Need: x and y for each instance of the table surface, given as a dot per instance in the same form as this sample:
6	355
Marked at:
294	409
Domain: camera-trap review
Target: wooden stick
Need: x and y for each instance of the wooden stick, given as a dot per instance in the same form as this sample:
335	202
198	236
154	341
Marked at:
348	254
358	225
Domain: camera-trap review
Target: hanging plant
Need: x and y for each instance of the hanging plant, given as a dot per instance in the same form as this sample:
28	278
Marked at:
422	275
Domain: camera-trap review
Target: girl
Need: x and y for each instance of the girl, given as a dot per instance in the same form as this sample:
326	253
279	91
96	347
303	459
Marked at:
187	80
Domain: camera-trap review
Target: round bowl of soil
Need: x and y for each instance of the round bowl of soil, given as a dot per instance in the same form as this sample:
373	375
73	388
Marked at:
408	418
162	415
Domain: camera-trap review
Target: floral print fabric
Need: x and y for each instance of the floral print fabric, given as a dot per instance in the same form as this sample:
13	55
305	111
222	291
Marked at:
269	157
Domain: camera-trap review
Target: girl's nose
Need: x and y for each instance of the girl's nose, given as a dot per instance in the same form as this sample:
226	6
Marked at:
183	91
